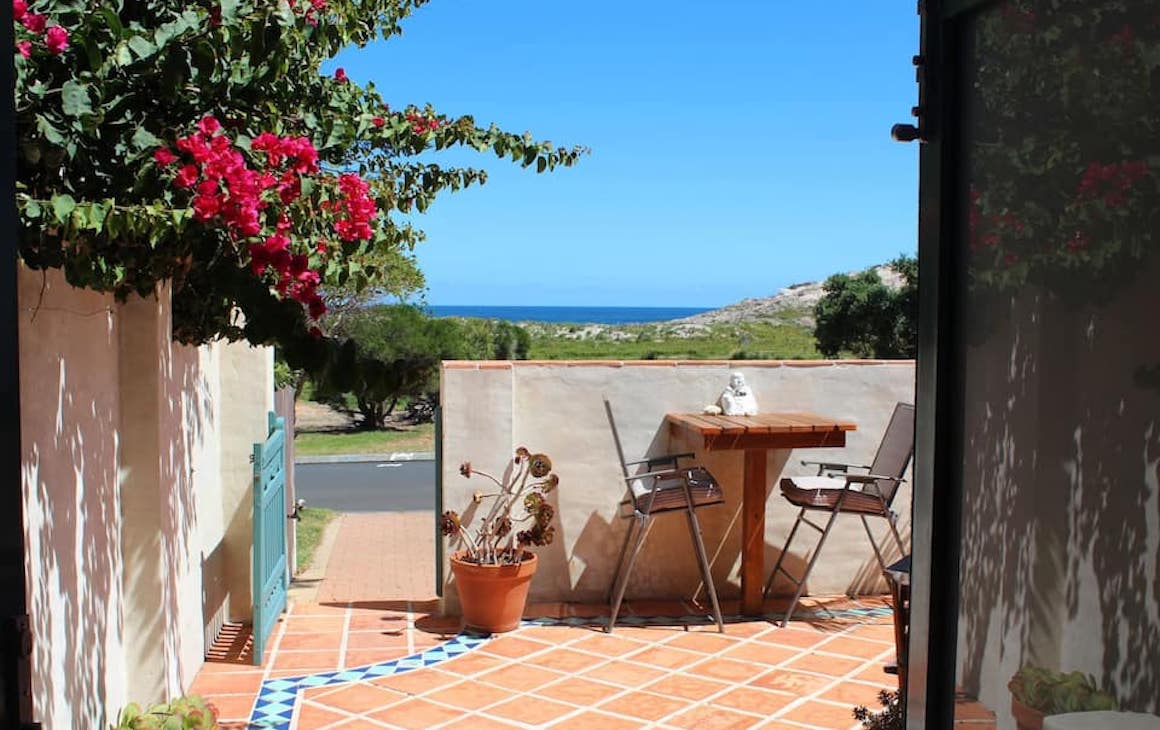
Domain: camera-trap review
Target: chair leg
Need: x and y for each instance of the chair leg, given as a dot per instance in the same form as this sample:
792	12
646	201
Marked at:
897	537
622	583
874	544
706	569
634	521
809	567
781	557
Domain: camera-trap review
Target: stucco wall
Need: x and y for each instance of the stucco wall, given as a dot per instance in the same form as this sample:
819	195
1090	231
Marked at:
556	407
1061	493
133	476
70	419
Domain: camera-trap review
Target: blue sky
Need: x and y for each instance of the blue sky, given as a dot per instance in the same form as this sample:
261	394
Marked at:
734	152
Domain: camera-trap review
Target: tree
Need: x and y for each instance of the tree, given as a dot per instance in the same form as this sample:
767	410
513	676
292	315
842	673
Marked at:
197	143
409	345
861	315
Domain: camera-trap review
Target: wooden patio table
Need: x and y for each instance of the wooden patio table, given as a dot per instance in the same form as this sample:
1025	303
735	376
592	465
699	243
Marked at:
755	435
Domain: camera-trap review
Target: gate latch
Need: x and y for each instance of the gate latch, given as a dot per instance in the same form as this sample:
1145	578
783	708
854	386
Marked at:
296	513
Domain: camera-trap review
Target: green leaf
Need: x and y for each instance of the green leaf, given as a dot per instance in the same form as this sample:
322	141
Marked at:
50	132
121	55
143	139
142	47
113	21
63	206
97	214
229	9
32	209
74	99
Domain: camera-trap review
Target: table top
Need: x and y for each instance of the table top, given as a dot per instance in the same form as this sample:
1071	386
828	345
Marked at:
796	429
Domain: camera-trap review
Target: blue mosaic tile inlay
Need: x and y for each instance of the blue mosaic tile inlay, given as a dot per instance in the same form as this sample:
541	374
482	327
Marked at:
274	708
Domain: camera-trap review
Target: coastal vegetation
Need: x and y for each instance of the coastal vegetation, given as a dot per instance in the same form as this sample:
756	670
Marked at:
780	339
861	316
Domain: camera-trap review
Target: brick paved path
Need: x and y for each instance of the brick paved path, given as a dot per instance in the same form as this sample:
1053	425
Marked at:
381	556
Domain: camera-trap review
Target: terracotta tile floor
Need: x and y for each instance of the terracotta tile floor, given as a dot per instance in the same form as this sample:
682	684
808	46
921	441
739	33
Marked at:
559	671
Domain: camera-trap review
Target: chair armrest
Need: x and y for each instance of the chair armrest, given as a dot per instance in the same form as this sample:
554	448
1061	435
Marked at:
666	459
659	474
833	466
871	478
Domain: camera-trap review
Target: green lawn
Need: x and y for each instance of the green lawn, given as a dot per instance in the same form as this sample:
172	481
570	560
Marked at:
419	438
310	528
748	341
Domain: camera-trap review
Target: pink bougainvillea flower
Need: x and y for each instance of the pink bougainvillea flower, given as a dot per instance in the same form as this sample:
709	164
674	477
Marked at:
209	125
162	156
56	40
378	121
186	176
35	22
25	48
19	9
340	75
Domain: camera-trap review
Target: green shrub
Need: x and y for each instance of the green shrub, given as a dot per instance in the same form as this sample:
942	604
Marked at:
889	718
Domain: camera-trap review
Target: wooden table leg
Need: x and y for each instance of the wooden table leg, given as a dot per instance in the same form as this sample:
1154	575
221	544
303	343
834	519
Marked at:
753	533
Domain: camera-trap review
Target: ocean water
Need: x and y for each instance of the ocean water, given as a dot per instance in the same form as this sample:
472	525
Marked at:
571	315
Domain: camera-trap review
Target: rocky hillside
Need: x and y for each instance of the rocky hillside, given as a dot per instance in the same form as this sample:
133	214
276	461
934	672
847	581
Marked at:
792	304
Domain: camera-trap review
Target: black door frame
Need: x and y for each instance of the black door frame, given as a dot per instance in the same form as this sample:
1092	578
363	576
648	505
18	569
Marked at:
15	637
937	510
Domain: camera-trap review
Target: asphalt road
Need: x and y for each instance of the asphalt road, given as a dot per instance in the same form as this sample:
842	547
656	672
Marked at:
398	486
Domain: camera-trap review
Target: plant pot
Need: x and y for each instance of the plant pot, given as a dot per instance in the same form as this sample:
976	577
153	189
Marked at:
1026	718
492	597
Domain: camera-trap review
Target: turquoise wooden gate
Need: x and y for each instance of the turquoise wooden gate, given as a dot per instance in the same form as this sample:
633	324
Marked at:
270	575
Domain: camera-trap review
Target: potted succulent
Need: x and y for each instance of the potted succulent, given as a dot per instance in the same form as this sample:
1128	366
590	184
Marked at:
1037	692
191	712
494	569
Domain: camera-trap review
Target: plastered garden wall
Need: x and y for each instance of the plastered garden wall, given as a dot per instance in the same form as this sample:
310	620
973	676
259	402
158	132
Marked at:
136	478
556	407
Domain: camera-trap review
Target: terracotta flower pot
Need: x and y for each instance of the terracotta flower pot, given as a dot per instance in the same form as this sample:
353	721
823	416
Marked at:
1026	718
492	596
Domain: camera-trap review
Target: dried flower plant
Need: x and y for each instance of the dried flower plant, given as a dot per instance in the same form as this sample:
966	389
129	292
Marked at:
495	541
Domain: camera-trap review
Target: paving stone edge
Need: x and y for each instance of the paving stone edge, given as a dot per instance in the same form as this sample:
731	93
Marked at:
361	458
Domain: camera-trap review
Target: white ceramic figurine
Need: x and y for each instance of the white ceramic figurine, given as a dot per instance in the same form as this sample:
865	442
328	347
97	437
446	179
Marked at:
737	399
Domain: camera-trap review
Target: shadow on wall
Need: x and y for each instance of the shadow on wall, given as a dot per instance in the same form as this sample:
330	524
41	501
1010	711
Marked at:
73	433
70	438
1061	514
186	407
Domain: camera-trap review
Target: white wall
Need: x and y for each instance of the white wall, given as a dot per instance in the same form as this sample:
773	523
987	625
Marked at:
70	420
136	484
556	407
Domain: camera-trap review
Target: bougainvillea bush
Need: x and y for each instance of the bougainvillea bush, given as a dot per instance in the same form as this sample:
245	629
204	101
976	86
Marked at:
1063	111
197	143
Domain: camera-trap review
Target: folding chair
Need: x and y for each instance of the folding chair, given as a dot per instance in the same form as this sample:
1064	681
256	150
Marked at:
663	486
836	491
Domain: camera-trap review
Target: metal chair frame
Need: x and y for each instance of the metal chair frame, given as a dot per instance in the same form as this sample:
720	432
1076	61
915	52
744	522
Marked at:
666	481
871	502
